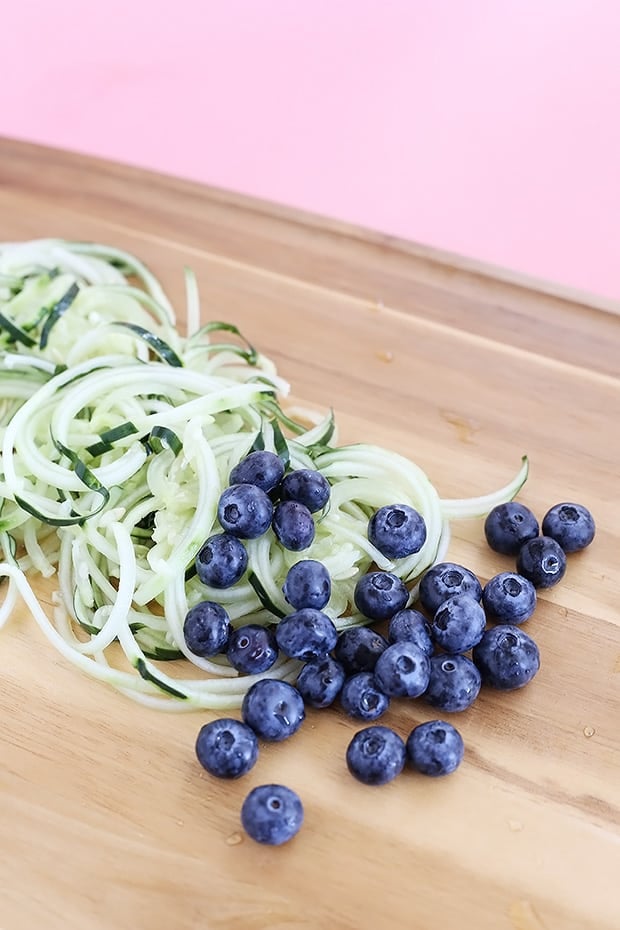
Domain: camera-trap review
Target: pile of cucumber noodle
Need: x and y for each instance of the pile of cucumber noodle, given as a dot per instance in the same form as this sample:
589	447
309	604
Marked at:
118	436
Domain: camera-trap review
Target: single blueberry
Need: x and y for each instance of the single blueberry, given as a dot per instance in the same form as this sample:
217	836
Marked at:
435	748
458	624
206	629
306	634
221	561
454	683
273	709
272	814
379	595
397	531
542	561
320	681
307	584
293	525
403	670
306	486
362	698
227	748
252	649
411	626
376	755
245	511
444	580
358	649
509	598
264	469
571	525
508	526
506	657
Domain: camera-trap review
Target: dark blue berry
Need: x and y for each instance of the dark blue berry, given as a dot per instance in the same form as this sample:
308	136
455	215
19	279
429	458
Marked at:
272	814
206	629
252	649
379	595
307	584
221	561
306	634
435	748
227	748
454	683
411	626
273	709
293	525
358	649
376	755
264	469
506	657
509	598
458	624
397	531
571	525
542	561
444	580
362	698
320	681
245	511
306	486
403	670
508	526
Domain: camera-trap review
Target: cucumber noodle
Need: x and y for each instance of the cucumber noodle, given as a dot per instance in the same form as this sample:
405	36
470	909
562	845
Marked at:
118	435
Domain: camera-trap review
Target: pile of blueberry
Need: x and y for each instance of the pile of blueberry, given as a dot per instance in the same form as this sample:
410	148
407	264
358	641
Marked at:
443	653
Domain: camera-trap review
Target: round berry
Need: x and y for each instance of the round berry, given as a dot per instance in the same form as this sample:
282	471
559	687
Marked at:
435	748
320	681
244	511
272	814
227	748
509	598
307	487
444	580
542	561
411	626
454	683
221	561
206	629
571	525
358	649
293	525
506	657
307	584
397	531
362	698
252	649
376	755
458	624
508	526
379	595
403	670
264	469
306	634
273	709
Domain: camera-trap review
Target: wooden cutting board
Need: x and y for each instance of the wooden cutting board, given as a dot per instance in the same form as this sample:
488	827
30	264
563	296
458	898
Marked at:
106	819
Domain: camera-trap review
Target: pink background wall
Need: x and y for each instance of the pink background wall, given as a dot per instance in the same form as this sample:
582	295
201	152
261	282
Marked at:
486	127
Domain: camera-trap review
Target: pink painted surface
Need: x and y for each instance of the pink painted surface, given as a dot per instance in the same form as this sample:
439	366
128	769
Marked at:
486	127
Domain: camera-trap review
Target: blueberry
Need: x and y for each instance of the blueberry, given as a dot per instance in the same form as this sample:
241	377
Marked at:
358	649
571	525
206	629
222	560
435	748
293	525
274	709
542	561
320	681
506	657
307	584
272	814
411	626
245	511
252	649
227	748
444	580
454	683
509	598
376	755
362	698
508	526
379	595
306	634
403	670
397	531
264	469
458	624
306	486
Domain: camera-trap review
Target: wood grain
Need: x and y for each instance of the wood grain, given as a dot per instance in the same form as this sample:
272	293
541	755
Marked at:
106	820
